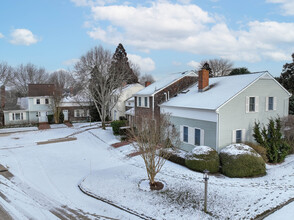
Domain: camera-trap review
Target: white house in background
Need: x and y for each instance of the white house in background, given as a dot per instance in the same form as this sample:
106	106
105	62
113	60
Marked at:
219	111
31	109
119	110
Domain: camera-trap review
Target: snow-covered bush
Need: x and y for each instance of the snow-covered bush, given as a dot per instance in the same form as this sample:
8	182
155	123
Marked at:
240	160
203	158
175	155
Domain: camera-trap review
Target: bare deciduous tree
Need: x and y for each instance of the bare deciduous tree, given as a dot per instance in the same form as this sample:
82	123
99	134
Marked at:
5	73
100	81
219	67
62	80
26	74
151	137
146	78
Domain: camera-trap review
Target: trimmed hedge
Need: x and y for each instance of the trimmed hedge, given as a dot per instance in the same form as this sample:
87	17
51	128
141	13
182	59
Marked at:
174	155
203	158
259	149
116	127
239	160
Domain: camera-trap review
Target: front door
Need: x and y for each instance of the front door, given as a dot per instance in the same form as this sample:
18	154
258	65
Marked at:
43	117
65	113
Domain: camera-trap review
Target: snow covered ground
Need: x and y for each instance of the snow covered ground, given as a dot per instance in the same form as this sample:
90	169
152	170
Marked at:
46	179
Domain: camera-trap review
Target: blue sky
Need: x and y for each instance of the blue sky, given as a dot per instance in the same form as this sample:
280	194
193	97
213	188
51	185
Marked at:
162	36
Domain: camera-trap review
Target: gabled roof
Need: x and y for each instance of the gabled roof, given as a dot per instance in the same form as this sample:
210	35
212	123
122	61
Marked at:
35	90
222	89
165	82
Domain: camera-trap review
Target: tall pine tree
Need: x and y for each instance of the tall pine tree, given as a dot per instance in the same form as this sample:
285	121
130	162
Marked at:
287	80
120	65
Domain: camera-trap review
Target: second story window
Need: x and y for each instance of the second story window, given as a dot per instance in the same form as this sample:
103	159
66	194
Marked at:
38	101
139	101
252	104
46	101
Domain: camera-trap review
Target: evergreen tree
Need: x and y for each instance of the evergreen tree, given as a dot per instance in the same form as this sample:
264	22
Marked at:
120	65
287	80
239	71
270	138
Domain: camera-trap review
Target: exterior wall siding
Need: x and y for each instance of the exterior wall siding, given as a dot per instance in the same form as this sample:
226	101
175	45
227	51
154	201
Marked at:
18	122
208	127
233	115
71	116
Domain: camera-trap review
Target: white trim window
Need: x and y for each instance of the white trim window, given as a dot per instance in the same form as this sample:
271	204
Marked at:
17	116
191	135
238	136
271	103
38	101
252	103
143	101
78	113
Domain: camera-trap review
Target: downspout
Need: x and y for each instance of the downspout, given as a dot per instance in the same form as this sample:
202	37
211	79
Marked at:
152	106
217	131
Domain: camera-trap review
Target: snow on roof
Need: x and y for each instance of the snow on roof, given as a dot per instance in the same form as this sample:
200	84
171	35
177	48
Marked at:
221	90
132	99
237	149
164	82
80	97
126	87
131	111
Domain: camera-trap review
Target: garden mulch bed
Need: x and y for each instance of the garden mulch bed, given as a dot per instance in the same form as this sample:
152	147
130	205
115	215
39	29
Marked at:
120	144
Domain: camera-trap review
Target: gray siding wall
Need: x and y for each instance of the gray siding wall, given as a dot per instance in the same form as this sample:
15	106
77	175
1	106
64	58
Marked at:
208	127
233	115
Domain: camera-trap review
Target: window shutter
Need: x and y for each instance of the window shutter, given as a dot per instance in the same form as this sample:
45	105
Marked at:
182	132
247	104
191	135
256	103
35	101
234	136
42	101
201	137
75	113
243	135
275	103
266	103
10	117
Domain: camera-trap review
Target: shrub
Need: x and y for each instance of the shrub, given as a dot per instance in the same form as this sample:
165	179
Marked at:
61	117
271	138
116	127
239	160
203	158
288	128
50	119
259	149
175	155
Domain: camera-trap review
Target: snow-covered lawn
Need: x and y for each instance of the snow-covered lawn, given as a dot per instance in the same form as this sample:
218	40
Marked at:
46	179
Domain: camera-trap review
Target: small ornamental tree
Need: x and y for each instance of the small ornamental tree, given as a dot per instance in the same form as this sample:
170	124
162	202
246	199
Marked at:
271	138
151	137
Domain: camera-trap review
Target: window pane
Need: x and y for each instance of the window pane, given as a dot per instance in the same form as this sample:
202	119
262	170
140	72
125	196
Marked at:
252	104
139	101
47	101
238	136
186	134
146	99
270	103
197	136
38	101
17	116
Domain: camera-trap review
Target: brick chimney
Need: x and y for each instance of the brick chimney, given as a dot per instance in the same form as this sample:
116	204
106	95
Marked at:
203	78
2	97
147	83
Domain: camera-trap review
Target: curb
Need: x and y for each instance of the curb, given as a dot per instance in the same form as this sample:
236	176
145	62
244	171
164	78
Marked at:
142	216
271	211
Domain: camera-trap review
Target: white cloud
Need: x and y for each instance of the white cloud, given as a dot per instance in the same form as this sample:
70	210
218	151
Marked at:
70	62
1	35
286	5
23	37
194	64
188	28
92	2
145	64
